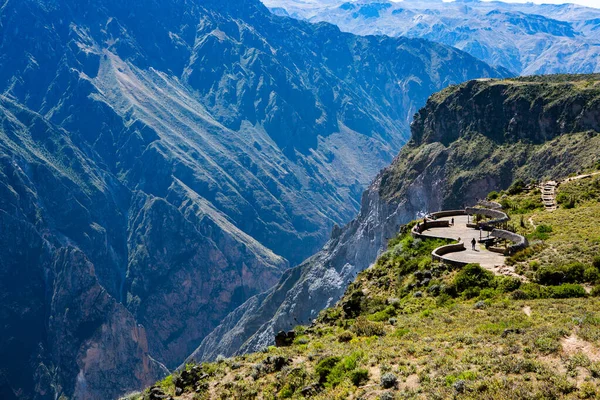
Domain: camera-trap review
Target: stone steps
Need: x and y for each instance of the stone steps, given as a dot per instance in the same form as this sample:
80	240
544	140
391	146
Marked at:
549	195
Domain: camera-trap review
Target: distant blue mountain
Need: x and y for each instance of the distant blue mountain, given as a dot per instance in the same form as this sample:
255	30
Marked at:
524	38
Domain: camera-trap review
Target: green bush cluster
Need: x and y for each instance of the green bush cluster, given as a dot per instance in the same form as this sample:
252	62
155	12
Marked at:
506	284
470	280
575	272
294	381
542	232
578	192
363	327
517	187
493	195
565	200
531	291
333	370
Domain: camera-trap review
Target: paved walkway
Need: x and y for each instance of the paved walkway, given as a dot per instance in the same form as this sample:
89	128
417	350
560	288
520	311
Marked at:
485	258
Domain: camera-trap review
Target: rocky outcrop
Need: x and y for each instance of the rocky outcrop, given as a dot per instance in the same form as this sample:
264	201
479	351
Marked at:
90	327
467	141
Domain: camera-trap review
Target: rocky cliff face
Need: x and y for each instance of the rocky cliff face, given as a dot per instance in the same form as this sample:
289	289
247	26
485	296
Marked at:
163	161
468	140
524	38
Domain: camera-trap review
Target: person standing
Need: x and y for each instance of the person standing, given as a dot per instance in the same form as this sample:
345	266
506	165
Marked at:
473	243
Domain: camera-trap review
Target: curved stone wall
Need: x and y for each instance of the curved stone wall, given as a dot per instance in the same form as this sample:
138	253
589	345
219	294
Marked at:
520	242
449	213
490	204
439	253
498	217
420	227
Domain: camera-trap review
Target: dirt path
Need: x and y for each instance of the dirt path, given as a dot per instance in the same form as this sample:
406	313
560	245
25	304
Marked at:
573	344
584	176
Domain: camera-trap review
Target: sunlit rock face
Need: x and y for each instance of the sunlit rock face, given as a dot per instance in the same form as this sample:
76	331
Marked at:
161	162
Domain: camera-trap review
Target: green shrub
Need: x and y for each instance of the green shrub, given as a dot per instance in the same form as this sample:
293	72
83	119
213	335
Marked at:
324	367
542	232
550	275
341	368
596	262
565	200
574	272
566	291
364	327
359	377
384	315
519	295
345	337
531	291
472	276
517	187
570	273
547	344
591	274
595	291
493	195
507	284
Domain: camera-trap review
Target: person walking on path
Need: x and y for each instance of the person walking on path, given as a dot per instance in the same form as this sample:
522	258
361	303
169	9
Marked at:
473	243
452	222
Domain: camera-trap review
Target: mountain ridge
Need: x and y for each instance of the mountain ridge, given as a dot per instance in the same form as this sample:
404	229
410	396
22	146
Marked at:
527	39
166	159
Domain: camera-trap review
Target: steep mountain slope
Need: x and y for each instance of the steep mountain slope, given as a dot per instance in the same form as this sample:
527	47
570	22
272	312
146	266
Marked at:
412	328
524	38
468	140
163	161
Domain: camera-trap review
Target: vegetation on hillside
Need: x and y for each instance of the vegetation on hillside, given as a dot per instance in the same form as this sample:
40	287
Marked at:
565	243
409	328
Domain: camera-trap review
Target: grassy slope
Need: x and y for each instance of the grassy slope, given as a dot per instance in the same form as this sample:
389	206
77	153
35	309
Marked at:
575	232
490	341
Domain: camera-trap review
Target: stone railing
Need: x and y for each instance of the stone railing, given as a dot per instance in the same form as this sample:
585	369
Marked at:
417	230
449	213
490	204
519	242
431	221
498	217
439	253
